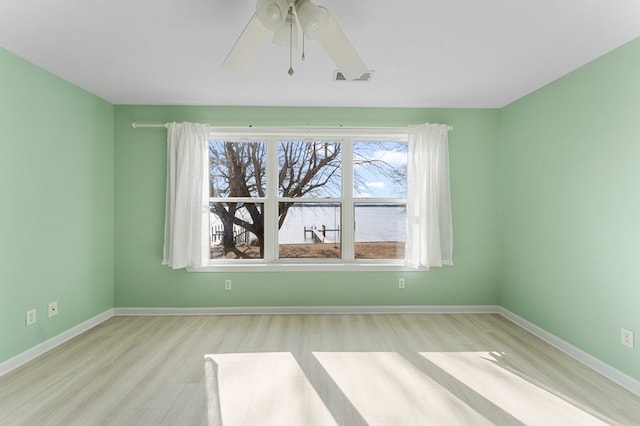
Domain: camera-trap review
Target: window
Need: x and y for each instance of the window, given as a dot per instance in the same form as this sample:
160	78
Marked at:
286	198
277	199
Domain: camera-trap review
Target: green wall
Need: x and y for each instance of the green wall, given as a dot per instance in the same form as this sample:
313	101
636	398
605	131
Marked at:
140	161
56	190
570	207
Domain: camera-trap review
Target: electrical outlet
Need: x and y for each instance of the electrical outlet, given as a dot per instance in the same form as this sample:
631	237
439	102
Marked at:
227	284
53	309
31	317
400	282
626	337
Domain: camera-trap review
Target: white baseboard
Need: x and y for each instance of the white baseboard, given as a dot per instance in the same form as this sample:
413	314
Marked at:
624	380
55	341
617	376
308	310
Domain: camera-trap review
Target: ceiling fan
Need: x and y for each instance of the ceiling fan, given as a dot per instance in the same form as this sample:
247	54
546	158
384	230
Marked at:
279	20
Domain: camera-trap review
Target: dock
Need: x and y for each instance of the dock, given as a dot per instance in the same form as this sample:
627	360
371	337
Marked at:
319	235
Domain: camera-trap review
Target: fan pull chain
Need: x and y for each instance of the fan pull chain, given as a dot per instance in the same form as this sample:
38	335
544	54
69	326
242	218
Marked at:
290	41
303	47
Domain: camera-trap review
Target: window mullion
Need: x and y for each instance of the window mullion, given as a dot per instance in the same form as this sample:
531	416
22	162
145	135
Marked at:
348	224
271	204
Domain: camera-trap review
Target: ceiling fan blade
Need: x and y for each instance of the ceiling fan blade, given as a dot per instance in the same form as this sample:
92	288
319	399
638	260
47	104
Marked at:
338	47
252	37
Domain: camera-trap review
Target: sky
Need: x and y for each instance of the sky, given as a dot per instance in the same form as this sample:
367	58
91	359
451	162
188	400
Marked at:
376	184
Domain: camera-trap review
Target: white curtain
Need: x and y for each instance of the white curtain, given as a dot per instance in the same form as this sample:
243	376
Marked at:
429	226
186	237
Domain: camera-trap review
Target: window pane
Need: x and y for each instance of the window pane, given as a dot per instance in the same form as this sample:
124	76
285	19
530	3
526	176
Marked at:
236	230
309	169
237	169
309	230
380	169
380	231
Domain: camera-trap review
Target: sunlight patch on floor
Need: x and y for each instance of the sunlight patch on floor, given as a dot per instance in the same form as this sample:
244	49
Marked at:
387	389
488	374
261	389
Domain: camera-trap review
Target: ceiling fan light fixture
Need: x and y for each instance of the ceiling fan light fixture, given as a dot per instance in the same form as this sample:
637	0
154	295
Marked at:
313	19
274	17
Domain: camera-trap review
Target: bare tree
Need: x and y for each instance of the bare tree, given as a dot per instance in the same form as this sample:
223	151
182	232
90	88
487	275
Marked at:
238	170
306	169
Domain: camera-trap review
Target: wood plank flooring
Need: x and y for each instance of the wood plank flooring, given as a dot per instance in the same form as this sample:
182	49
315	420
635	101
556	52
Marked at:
310	370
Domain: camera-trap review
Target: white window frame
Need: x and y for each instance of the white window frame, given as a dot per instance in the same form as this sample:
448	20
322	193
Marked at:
271	262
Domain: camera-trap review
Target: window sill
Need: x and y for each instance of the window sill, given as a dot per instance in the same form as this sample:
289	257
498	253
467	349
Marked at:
304	267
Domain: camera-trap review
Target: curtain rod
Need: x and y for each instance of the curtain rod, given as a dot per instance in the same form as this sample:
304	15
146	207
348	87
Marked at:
231	128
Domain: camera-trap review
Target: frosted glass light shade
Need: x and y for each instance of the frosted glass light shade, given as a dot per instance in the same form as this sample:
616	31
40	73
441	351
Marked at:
281	36
271	13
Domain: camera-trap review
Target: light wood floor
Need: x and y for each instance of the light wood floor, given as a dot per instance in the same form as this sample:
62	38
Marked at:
310	370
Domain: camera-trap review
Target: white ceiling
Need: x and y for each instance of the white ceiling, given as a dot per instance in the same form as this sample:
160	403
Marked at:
425	53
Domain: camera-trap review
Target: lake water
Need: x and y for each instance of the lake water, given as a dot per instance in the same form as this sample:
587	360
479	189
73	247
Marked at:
373	223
